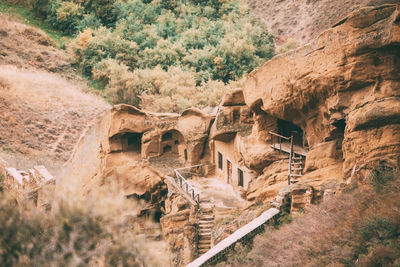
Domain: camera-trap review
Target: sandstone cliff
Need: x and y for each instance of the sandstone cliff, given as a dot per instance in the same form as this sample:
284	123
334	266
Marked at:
343	91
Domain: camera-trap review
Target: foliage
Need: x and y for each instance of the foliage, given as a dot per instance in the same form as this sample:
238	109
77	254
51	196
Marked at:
198	41
361	228
291	44
155	89
65	16
213	42
99	228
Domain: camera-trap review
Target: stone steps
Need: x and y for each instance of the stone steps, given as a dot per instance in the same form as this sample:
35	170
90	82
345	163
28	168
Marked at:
205	226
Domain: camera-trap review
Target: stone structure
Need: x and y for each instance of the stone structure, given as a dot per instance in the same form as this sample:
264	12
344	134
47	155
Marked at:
36	184
233	122
342	90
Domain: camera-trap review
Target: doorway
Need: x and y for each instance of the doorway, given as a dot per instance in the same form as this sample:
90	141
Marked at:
229	171
286	128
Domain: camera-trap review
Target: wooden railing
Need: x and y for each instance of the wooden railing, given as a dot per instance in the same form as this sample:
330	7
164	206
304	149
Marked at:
244	234
279	138
294	164
183	184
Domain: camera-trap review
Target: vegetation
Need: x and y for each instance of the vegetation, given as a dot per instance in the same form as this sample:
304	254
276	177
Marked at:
197	48
24	13
357	228
72	234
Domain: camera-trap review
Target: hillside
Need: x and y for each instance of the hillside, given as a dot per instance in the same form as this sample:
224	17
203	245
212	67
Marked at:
43	104
357	228
304	20
311	138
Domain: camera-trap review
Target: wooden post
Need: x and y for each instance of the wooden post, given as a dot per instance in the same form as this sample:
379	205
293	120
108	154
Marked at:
290	160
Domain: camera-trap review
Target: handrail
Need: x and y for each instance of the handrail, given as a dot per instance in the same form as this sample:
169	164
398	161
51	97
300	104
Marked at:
290	161
278	135
186	186
246	232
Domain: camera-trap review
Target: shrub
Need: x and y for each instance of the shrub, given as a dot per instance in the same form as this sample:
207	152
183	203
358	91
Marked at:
65	16
211	40
381	175
92	46
71	235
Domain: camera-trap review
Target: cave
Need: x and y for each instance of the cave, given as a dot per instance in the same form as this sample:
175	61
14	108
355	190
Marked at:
167	148
133	142
126	142
173	142
287	128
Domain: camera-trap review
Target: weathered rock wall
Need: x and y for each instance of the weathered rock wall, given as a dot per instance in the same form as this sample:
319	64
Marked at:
346	84
343	90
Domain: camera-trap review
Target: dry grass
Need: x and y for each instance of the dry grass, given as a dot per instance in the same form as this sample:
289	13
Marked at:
361	228
42	114
304	20
25	46
99	229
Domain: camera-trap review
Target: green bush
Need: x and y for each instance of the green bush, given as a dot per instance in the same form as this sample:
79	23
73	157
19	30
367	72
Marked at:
211	40
65	16
92	46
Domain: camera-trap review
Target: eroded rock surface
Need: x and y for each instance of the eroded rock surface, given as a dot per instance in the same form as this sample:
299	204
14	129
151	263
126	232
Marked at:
343	90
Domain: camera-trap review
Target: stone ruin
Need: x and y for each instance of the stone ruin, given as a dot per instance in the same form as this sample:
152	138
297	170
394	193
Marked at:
36	185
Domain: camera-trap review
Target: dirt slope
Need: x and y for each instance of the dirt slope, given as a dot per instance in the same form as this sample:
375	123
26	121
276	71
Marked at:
304	20
42	112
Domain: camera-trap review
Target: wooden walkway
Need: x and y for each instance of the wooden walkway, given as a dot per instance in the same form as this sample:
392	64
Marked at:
285	147
222	247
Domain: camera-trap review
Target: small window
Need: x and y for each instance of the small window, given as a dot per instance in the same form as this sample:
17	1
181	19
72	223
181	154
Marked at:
176	142
219	161
185	152
166	136
240	177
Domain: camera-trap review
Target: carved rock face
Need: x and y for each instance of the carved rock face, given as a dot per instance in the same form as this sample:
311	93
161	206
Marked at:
343	90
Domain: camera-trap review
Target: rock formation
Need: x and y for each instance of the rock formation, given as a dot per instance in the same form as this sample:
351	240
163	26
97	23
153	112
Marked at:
337	100
343	91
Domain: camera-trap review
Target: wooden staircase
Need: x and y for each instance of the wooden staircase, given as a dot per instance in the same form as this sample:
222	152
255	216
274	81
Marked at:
205	226
296	156
295	164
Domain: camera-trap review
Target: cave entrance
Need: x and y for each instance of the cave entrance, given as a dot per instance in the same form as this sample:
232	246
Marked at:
286	128
132	142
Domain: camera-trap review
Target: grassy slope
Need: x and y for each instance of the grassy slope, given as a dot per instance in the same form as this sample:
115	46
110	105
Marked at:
44	106
357	228
26	16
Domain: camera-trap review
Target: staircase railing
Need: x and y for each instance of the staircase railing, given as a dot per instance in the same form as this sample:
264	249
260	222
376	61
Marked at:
185	185
276	143
245	233
280	139
290	161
